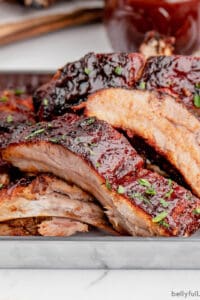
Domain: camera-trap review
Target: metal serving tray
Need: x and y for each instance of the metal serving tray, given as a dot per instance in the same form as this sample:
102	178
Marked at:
94	250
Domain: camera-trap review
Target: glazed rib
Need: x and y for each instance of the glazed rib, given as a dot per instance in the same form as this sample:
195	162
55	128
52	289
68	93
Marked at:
75	81
47	196
91	154
179	75
16	109
162	122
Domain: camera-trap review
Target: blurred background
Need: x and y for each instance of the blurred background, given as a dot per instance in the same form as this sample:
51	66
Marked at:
45	34
40	34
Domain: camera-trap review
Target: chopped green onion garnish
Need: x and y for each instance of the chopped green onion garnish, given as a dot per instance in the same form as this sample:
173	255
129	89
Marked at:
108	185
63	137
90	121
197	100
121	189
142	85
168	194
45	102
164	203
87	71
164	223
144	182
1	186
160	217
197	211
151	191
9	119
118	70
54	140
18	92
197	85
137	196
98	164
3	99
39	131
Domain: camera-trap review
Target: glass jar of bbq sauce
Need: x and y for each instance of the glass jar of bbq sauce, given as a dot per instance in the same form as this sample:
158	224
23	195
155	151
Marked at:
128	22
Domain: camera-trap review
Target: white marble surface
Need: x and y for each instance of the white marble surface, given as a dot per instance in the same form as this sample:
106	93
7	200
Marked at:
48	53
96	285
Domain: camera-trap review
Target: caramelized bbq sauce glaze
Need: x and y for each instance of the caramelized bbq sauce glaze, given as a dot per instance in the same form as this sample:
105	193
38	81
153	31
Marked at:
16	108
128	21
179	75
75	81
109	153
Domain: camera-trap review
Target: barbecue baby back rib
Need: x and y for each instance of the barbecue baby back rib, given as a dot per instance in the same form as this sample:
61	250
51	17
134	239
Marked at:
159	120
75	81
100	160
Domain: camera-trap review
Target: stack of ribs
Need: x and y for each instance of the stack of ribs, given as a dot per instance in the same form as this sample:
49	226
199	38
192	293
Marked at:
98	123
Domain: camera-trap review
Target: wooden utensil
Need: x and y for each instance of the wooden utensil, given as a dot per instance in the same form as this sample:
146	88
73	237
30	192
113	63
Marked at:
13	32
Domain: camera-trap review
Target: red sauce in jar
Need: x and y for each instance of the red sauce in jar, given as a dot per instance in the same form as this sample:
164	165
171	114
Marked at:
128	21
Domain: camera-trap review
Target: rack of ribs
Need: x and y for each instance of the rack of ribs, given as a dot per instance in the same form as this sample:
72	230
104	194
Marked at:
177	82
100	160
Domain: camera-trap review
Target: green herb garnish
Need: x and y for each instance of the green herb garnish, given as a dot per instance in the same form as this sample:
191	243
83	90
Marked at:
121	189
45	102
197	100
3	99
164	223
1	186
160	217
118	70
168	194
108	185
98	165
9	119
151	191
90	121
18	92
140	197
197	85
137	196
63	137
144	182
197	211
142	85
34	133
54	140
164	203
87	71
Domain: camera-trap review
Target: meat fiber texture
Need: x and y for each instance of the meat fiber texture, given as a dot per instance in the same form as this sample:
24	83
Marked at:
93	155
162	122
49	206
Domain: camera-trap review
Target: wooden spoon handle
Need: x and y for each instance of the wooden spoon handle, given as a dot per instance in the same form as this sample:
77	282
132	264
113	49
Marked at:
13	32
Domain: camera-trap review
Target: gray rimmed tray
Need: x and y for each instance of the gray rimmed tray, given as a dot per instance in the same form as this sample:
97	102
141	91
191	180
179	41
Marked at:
94	250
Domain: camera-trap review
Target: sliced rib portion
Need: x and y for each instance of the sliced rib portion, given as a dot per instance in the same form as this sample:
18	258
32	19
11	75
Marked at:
179	75
47	196
46	226
162	122
93	155
75	81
